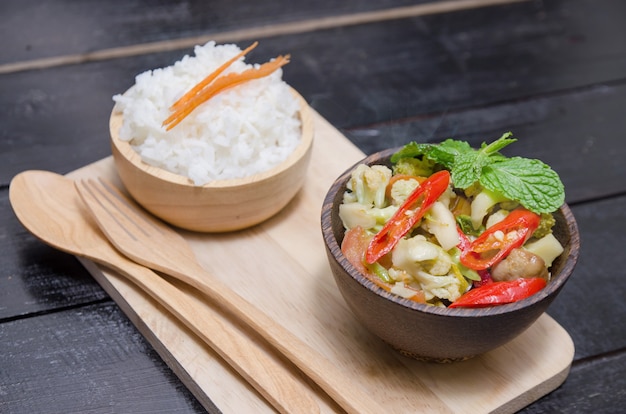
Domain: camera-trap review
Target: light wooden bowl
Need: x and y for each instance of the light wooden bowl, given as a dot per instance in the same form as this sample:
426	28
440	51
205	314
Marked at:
432	333
219	206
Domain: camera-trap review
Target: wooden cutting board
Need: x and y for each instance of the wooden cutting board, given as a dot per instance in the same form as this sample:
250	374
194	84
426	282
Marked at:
281	267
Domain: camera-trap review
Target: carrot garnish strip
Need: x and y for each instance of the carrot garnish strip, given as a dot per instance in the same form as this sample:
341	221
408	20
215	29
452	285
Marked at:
220	84
202	84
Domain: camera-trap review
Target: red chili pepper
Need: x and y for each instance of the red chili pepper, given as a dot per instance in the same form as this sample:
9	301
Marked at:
500	293
464	246
409	213
498	240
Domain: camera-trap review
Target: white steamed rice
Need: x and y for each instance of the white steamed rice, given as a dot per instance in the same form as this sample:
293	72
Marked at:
240	132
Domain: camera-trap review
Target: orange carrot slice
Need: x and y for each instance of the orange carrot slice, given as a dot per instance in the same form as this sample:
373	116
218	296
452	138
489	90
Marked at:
202	84
220	84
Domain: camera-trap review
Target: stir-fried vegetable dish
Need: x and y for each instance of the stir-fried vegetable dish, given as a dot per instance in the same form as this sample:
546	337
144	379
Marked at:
450	225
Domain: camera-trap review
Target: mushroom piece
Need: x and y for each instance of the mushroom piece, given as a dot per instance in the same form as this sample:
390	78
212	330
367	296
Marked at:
520	263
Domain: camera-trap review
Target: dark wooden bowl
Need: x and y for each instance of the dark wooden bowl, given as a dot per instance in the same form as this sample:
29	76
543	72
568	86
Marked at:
433	333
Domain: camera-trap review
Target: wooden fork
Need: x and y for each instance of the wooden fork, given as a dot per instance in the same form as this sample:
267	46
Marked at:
150	242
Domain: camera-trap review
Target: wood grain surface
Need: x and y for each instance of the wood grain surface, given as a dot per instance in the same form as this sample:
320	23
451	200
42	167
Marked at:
281	267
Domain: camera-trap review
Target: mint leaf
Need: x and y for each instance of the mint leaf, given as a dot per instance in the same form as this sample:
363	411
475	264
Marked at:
447	152
531	182
410	150
467	169
444	153
468	165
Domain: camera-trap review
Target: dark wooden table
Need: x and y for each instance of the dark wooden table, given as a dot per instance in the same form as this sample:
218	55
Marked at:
384	73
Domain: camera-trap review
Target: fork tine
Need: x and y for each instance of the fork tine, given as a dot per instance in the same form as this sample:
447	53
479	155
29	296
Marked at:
95	200
136	213
104	200
129	227
125	211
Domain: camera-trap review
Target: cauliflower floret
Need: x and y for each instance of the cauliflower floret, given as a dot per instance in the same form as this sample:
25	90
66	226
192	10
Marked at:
426	266
364	204
356	214
435	287
369	184
349	197
401	289
401	189
417	253
442	287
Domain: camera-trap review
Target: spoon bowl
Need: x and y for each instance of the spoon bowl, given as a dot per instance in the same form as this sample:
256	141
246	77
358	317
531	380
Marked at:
58	217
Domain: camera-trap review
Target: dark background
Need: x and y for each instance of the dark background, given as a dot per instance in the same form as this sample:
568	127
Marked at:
552	72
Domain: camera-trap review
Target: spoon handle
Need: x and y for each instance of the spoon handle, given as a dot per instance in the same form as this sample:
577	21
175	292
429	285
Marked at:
259	366
336	383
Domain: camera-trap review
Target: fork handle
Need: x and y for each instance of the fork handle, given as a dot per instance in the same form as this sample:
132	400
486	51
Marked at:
337	384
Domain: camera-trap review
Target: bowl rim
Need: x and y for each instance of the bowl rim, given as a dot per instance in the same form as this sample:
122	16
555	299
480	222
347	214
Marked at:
332	244
127	151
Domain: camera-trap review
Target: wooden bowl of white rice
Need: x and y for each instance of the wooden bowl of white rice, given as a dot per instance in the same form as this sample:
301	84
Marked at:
235	161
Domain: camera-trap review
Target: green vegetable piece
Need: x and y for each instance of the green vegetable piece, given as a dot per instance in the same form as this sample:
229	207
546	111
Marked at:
465	223
498	144
380	271
447	152
414	166
444	153
546	223
531	182
467	273
469	165
410	150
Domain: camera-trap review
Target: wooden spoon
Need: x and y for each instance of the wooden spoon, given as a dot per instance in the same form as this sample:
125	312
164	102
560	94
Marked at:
48	205
152	243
